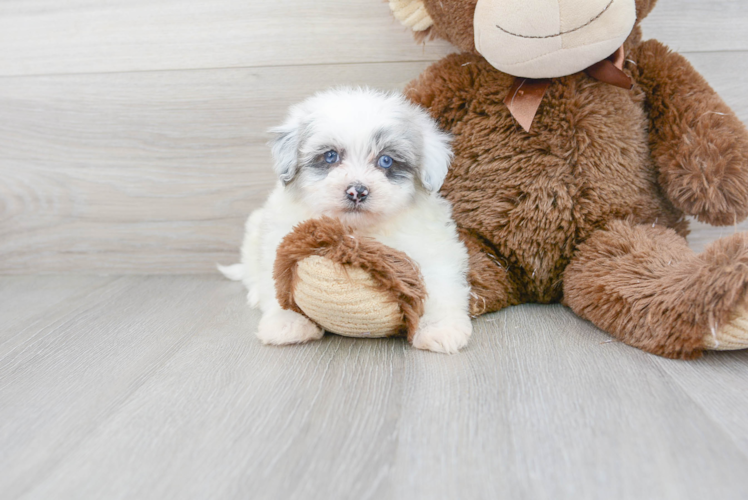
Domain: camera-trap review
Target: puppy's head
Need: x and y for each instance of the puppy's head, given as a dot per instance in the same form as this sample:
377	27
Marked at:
359	155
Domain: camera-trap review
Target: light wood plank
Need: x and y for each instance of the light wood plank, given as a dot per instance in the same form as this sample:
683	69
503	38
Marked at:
156	172
28	299
547	407
229	418
171	396
145	172
699	26
62	380
718	382
79	36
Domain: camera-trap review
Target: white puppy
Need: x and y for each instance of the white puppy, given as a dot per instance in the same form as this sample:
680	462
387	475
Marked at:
374	161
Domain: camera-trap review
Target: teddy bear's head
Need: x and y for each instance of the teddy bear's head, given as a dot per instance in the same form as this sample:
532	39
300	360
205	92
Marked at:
528	38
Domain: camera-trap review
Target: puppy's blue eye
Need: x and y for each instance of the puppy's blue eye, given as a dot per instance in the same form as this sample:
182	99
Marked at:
331	157
385	161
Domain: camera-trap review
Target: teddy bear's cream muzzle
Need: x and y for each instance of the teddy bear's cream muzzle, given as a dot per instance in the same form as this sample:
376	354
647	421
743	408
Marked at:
539	38
550	38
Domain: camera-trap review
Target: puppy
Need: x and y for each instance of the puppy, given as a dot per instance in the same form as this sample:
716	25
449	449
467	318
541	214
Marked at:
376	162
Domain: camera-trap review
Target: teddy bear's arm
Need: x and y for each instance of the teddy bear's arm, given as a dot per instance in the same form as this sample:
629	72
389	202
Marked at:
446	88
699	146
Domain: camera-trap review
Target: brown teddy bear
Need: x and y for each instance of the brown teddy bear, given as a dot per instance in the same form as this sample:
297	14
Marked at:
579	150
587	207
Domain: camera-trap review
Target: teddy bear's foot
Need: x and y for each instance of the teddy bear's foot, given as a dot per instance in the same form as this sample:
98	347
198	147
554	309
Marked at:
732	336
645	286
287	327
446	336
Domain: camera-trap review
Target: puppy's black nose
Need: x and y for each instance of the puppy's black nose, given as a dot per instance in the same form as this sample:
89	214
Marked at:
357	192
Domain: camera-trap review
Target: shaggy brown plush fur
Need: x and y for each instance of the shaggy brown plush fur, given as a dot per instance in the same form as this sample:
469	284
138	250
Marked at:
535	208
530	199
392	271
647	288
692	128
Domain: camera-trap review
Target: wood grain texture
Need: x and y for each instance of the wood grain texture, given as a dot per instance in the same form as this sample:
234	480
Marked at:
80	36
63	377
27	301
126	170
156	172
545	405
719	384
145	172
156	388
698	26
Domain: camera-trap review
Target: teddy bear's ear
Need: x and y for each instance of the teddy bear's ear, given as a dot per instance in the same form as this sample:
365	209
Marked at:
412	13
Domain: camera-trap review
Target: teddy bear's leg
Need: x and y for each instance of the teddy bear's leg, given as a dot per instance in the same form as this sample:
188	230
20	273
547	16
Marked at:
699	145
491	288
645	286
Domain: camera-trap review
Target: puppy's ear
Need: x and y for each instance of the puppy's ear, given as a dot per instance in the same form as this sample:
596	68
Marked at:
285	148
437	155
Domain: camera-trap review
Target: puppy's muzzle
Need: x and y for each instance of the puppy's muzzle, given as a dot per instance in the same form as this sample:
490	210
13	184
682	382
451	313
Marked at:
357	193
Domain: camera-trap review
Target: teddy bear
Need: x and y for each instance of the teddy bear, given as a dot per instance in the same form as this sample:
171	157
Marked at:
579	151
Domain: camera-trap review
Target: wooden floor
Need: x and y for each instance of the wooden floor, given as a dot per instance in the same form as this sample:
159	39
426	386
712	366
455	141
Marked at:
155	388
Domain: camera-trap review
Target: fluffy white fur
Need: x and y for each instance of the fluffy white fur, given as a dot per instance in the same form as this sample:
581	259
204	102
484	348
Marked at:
402	208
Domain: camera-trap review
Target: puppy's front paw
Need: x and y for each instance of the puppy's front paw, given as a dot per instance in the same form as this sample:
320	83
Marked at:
447	335
287	327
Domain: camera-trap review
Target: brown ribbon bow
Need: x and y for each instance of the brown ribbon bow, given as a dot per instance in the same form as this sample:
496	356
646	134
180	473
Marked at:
526	94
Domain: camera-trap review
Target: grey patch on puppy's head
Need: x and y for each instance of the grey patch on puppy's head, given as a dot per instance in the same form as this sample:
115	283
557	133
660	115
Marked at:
313	166
403	145
286	144
418	146
285	147
437	152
